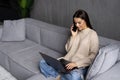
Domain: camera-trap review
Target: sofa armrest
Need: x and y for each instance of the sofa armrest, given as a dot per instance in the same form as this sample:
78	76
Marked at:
40	77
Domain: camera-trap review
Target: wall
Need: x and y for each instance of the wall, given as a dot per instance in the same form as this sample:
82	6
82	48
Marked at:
9	10
104	14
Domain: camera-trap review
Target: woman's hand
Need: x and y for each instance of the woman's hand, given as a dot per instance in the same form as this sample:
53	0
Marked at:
74	33
71	65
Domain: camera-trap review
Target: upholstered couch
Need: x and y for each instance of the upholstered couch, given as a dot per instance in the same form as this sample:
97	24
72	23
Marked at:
19	50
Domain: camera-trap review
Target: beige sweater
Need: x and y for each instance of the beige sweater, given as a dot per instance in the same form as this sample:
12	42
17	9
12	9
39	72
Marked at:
83	48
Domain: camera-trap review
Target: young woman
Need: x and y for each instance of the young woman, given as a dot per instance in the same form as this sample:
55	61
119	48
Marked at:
81	47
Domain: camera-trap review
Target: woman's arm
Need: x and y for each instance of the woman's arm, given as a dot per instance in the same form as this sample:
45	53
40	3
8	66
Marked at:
71	39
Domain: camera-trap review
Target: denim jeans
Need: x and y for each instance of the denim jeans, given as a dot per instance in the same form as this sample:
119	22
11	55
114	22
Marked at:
47	71
76	74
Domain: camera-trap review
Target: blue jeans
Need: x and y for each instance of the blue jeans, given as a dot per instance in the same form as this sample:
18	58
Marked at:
47	71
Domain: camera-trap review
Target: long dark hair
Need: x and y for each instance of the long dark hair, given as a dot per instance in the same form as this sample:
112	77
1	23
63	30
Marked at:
83	15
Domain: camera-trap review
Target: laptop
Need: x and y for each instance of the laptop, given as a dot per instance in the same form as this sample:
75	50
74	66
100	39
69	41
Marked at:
56	64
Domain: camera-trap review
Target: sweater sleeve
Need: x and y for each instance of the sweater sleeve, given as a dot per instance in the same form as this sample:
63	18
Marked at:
94	46
93	50
69	43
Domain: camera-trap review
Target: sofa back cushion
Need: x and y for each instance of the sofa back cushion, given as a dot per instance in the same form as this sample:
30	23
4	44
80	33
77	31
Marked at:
32	32
119	56
106	58
119	51
48	35
13	30
0	31
106	41
53	39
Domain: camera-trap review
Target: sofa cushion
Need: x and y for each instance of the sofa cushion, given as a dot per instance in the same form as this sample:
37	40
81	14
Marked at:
4	60
106	58
112	74
119	50
54	40
13	30
105	41
27	61
40	77
14	47
0	31
8	48
32	32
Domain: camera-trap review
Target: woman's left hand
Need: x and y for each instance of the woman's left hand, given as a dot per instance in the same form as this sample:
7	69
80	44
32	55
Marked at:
71	65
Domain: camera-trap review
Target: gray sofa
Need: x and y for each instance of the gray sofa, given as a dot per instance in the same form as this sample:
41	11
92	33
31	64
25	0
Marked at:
21	58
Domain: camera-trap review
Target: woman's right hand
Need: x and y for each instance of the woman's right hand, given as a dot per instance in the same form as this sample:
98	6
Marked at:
74	33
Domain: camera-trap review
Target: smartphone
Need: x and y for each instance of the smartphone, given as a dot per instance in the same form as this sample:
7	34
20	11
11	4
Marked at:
74	27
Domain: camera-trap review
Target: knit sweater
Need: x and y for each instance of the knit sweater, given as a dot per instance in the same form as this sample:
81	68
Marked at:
82	48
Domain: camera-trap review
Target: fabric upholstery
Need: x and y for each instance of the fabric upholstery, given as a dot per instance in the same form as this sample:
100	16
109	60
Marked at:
4	60
40	77
106	58
119	56
118	44
14	47
13	30
26	62
33	32
105	41
111	74
54	40
0	31
5	75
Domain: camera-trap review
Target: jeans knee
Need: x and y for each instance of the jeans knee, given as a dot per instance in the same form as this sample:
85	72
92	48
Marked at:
42	64
42	61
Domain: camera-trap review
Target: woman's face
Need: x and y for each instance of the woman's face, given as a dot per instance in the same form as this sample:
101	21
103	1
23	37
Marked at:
80	23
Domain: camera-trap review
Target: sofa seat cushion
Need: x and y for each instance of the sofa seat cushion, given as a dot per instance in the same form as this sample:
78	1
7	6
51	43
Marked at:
28	61
4	60
40	77
14	47
111	74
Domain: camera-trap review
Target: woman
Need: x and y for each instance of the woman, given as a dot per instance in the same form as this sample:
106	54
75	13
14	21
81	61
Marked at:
81	48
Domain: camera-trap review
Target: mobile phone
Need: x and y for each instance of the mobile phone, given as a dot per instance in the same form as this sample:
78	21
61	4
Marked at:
74	27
